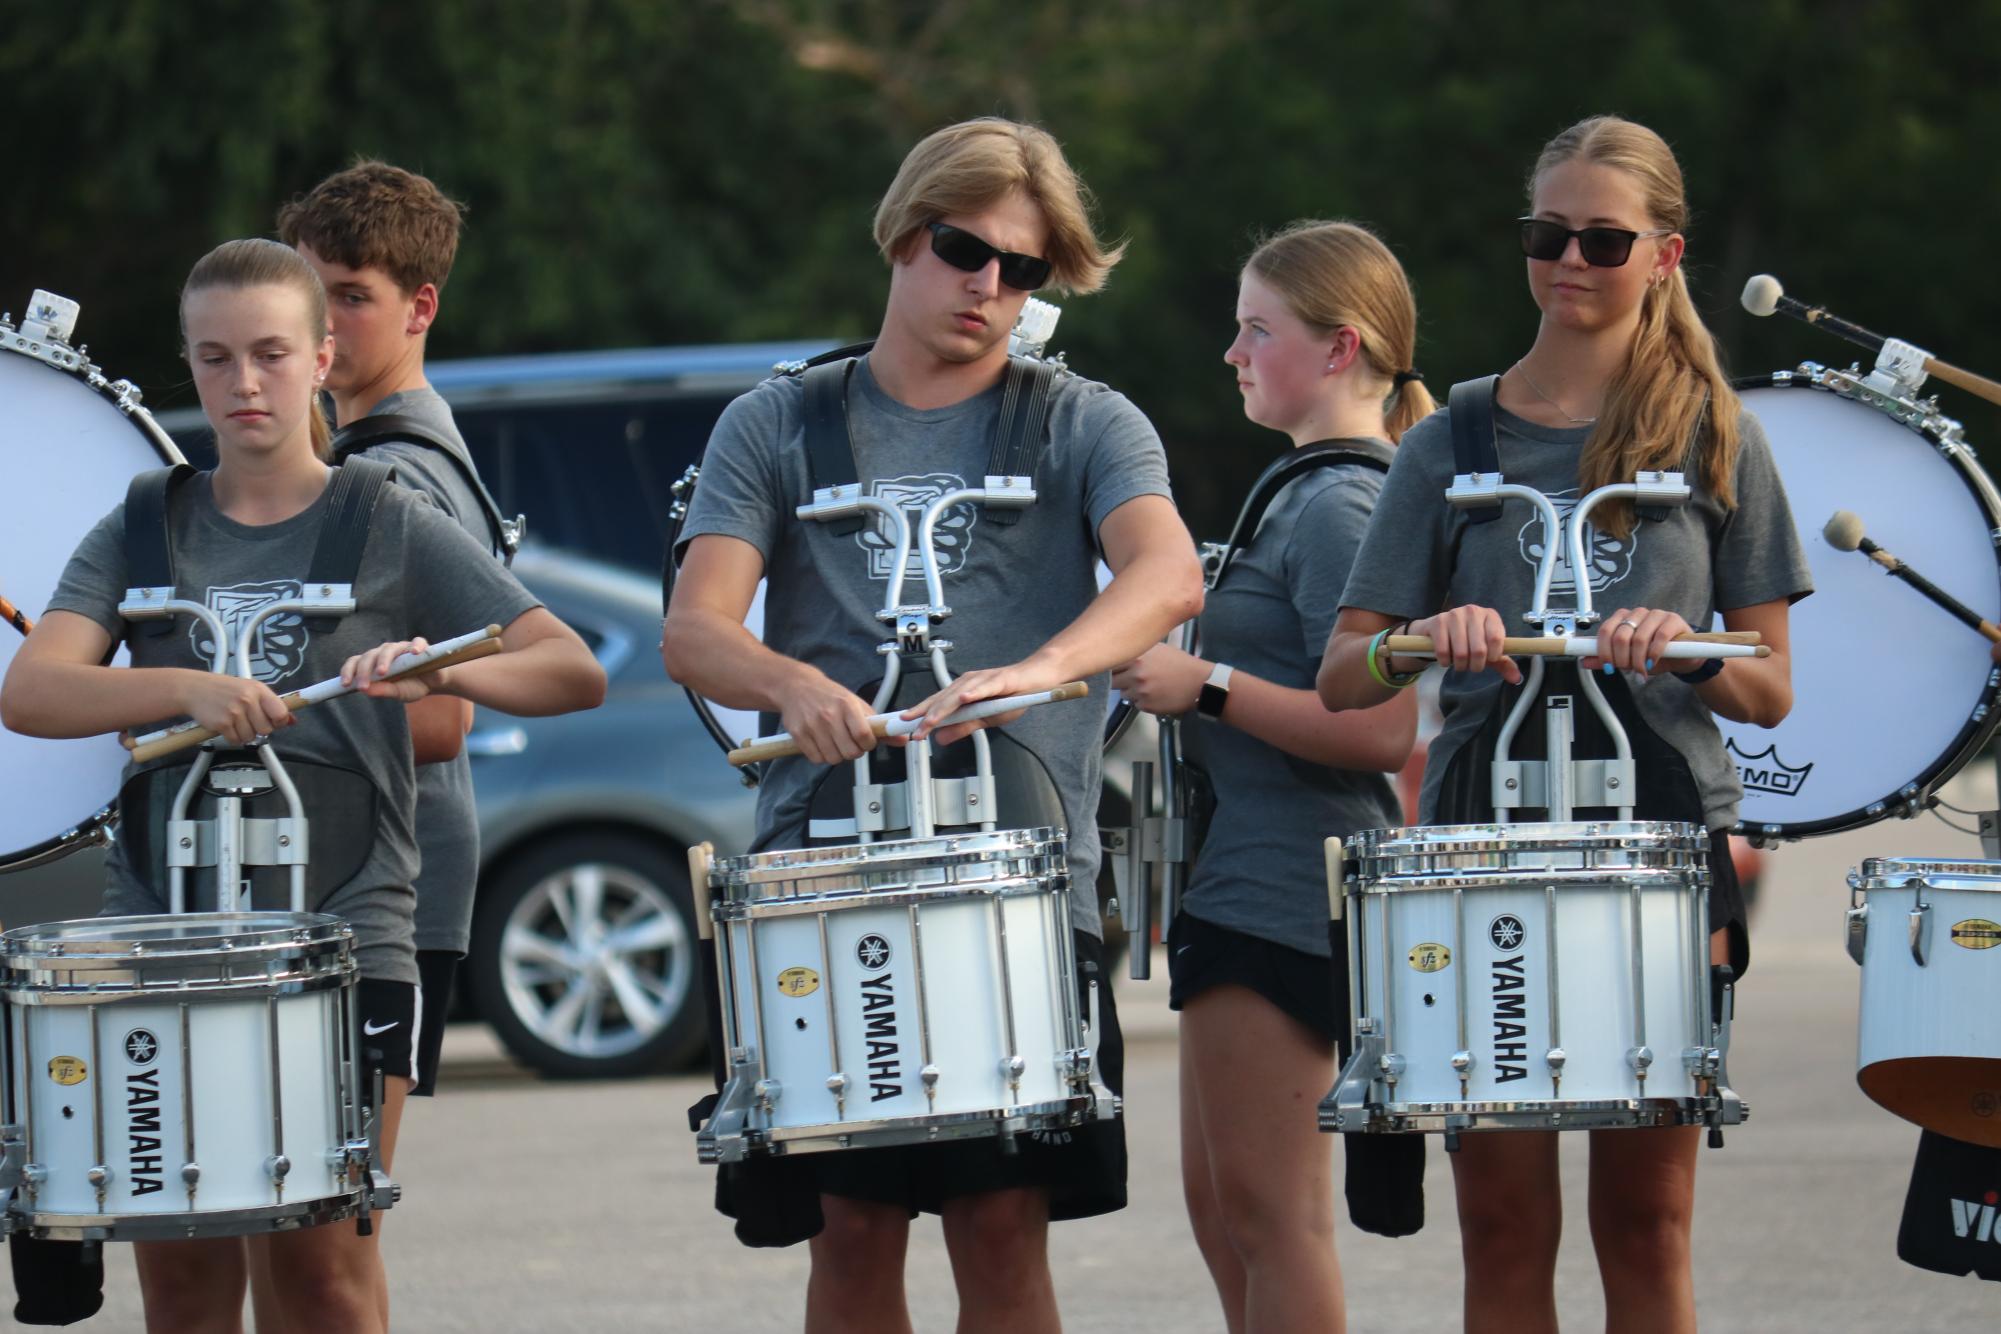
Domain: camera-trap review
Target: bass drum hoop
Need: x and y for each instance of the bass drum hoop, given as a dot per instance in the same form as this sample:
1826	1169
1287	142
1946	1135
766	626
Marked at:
94	830
1978	730
1116	722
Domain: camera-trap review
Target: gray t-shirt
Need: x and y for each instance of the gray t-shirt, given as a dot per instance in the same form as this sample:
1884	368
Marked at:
447	825
235	568
1700	560
1011	588
1261	869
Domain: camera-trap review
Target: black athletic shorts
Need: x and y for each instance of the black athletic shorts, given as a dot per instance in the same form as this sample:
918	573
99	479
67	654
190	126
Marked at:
435	971
1201	955
1084	1169
387	1016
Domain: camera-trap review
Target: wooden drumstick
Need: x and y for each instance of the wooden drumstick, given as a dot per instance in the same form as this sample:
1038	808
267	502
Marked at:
1337	892
1704	644
466	648
1844	532
700	858
895	724
14	616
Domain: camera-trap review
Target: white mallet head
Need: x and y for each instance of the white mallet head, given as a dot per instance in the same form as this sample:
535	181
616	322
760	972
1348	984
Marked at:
1761	294
1844	531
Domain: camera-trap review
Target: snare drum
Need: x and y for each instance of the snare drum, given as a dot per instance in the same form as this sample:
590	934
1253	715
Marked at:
1530	977
1928	937
1851	752
71	441
900	992
190	1076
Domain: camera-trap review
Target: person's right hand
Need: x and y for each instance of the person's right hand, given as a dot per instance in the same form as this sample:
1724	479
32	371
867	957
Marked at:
236	709
1469	639
829	721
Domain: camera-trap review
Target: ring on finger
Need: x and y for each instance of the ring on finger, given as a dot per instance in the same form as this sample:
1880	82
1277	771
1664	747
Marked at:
1629	625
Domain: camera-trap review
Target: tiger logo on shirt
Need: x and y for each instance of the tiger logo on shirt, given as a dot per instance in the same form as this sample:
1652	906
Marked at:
953	537
1609	558
278	650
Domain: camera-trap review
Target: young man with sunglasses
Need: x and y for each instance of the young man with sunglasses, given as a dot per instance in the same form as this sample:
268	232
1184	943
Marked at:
980	214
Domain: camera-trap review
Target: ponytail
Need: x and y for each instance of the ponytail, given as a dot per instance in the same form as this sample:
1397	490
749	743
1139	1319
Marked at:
1408	404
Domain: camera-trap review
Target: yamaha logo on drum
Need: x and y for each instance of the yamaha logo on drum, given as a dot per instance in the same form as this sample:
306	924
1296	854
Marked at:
141	1047
1510	997
872	952
1766	772
1506	932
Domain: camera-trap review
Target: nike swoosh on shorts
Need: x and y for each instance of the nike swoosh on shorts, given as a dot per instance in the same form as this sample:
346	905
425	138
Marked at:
371	1030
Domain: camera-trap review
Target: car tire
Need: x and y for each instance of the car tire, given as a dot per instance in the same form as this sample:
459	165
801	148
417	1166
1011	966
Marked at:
575	935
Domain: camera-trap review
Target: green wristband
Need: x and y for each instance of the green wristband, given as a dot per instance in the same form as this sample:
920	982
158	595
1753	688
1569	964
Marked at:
1388	680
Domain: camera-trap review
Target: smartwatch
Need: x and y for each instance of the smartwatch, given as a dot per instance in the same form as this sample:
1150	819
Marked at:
1215	692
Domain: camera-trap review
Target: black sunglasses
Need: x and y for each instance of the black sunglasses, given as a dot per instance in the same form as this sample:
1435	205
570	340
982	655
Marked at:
1601	247
963	250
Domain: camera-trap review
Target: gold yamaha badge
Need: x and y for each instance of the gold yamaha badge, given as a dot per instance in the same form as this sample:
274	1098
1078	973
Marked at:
1429	957
796	982
1976	933
68	1069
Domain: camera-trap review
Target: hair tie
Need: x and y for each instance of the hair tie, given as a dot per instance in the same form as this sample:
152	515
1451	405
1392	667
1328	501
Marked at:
1402	378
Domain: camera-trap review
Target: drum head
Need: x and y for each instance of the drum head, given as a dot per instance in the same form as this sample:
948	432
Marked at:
1891	695
69	453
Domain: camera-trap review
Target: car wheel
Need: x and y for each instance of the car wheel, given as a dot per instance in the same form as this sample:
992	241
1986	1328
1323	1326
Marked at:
583	958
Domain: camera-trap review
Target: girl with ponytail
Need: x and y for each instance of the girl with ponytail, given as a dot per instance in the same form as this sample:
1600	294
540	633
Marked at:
1622	378
1323	351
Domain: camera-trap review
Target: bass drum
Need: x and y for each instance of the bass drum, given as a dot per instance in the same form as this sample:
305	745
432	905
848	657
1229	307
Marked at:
731	728
70	442
1868	739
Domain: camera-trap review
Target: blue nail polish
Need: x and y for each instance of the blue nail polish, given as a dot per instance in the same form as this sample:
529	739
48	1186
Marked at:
1609	670
1650	664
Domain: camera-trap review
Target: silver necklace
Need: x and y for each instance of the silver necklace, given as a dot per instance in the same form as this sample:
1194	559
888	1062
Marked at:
1539	393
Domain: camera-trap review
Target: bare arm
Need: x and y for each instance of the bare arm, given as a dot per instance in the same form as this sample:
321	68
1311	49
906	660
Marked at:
1468	639
1168	681
56	688
438	727
704	646
1156	585
543	668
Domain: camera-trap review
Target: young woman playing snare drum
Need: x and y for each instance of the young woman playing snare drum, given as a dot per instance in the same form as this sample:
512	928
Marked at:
254	320
1325	327
1622	377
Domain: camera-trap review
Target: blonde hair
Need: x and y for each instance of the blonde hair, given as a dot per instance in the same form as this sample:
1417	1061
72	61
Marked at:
970	166
1671	399
256	262
1332	274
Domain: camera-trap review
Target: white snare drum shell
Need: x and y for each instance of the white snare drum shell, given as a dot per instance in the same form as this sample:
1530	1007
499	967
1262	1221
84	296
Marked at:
1929	1034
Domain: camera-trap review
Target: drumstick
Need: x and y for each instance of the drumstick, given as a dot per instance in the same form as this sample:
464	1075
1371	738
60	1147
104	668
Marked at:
1844	533
1764	295
1708	644
14	616
895	724
479	644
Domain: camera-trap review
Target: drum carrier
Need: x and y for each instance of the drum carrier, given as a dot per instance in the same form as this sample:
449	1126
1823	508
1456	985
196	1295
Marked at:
1435	914
954	947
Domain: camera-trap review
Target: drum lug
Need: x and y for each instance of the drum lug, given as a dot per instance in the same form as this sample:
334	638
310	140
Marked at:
767	1092
13	1153
1702	1062
1346	1106
928	1077
1858	931
99	1177
1640	1058
837	1084
1921	934
1555	1057
1462	1061
278	1167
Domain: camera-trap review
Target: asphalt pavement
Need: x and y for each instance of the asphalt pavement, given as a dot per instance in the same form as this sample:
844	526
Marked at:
549	1207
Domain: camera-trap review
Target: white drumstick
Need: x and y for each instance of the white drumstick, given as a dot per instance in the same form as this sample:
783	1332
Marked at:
191	733
1721	644
895	724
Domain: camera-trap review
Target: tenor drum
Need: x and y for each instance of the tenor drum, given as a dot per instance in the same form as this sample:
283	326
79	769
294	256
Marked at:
900	992
1851	752
1928	937
1530	977
189	1076
70	442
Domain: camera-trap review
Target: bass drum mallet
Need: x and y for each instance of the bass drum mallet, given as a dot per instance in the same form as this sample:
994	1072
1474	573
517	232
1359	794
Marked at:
1765	295
1844	532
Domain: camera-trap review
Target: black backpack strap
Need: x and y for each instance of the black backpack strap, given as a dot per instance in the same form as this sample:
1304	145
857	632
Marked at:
149	538
382	428
1691	462
1270	484
1021	430
352	495
1471	408
830	449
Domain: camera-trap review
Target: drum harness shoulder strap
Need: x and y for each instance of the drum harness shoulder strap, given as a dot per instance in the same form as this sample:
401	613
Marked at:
1217	557
149	547
1020	433
504	535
